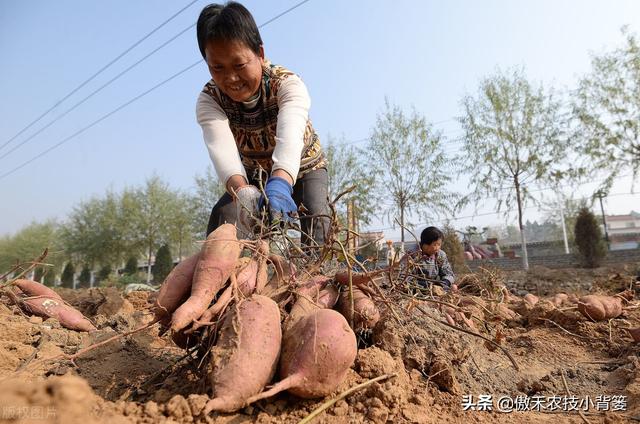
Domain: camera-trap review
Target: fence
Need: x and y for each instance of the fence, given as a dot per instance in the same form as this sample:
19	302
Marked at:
631	256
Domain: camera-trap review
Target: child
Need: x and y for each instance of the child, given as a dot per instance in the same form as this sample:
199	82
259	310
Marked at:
255	122
431	261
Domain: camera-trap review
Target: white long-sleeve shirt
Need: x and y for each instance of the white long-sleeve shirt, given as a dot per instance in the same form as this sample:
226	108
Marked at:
293	112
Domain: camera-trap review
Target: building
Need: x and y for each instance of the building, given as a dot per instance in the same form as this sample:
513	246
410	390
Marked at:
623	230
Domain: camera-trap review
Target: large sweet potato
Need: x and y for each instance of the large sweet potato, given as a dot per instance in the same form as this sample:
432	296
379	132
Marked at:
317	353
216	263
33	288
176	287
245	358
365	312
311	297
55	308
599	307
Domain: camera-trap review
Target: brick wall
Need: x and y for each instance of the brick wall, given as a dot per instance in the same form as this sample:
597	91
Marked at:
555	261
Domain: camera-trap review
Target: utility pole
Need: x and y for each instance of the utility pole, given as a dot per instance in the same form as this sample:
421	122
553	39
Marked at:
600	195
564	231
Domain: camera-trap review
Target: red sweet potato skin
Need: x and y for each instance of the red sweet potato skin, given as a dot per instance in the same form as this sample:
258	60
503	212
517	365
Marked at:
598	307
33	288
365	312
217	261
176	288
245	357
321	348
55	308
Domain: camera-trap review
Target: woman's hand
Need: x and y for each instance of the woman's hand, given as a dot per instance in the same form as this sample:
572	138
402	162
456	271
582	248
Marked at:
278	194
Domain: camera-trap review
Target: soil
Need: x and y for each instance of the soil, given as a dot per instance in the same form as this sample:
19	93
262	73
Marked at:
146	378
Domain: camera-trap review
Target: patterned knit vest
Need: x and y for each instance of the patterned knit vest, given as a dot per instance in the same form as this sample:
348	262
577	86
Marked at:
254	130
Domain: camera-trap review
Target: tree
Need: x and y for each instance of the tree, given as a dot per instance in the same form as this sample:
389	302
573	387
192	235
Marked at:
104	273
67	275
38	274
452	246
131	267
589	241
152	216
181	228
405	157
98	231
85	276
208	190
163	264
29	243
346	169
606	106
513	138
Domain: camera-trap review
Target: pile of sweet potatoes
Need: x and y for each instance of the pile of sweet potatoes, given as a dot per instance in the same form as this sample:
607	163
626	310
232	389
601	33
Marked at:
262	327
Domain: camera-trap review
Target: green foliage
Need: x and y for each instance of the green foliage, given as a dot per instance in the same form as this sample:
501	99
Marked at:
129	279
606	106
49	277
131	267
98	231
67	275
38	273
588	237
346	169
29	243
452	246
514	139
409	166
163	264
104	272
84	279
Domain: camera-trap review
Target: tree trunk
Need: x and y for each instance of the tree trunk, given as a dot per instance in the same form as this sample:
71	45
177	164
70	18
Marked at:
523	239
149	253
402	224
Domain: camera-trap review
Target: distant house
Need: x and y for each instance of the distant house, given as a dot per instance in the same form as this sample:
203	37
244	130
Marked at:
623	230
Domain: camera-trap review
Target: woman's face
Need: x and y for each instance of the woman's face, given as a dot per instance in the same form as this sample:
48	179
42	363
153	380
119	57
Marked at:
235	68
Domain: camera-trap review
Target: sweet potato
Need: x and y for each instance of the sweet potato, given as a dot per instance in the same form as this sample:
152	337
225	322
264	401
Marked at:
634	333
531	299
559	299
246	276
365	311
600	307
216	263
342	278
33	288
316	356
245	358
68	316
308	302
262	254
176	287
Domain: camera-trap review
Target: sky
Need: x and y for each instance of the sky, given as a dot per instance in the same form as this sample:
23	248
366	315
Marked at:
350	54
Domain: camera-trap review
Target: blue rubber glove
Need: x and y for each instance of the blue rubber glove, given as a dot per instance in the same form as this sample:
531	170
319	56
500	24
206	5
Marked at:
278	194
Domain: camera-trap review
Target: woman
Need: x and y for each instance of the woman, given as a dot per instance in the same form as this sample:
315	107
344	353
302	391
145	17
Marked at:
255	121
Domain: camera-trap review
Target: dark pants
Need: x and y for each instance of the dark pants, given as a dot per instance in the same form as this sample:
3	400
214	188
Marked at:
311	191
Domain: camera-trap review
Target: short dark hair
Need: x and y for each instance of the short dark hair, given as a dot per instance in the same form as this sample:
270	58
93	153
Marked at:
430	234
231	21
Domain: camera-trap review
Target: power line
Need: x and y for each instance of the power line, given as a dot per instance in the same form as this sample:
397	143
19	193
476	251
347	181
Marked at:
93	93
97	121
98	73
122	106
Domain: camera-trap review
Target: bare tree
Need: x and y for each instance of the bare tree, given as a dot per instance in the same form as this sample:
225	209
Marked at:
346	169
606	106
513	139
409	168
